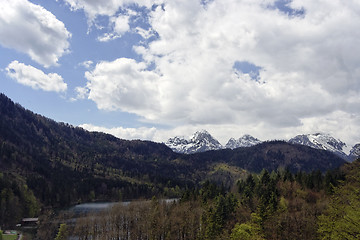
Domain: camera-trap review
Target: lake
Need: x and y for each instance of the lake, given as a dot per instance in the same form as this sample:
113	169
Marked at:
84	208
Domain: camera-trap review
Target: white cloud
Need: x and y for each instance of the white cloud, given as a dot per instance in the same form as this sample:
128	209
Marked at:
309	68
94	9
120	26
142	133
86	64
146	34
35	78
33	30
119	13
123	85
81	93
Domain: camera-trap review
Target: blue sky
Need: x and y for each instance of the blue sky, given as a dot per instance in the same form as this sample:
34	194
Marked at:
152	69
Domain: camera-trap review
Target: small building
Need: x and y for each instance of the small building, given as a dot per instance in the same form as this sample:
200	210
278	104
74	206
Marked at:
29	222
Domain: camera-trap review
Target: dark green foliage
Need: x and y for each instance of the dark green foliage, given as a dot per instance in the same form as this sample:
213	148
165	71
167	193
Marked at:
267	194
217	215
16	200
271	156
341	220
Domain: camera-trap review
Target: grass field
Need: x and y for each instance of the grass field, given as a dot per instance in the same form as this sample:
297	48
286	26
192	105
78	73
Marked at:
9	237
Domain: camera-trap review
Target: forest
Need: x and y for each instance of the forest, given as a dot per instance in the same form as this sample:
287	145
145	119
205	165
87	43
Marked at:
275	205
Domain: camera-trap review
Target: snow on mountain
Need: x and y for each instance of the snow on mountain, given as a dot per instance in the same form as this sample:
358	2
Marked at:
244	141
355	152
201	141
321	141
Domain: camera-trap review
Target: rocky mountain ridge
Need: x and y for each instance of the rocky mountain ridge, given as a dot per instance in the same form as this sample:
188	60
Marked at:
355	152
245	141
200	141
321	141
203	141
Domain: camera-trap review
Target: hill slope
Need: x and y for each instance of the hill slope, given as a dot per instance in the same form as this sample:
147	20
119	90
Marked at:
65	164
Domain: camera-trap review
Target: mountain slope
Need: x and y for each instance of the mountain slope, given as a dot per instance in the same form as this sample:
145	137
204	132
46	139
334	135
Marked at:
355	152
321	141
64	164
271	156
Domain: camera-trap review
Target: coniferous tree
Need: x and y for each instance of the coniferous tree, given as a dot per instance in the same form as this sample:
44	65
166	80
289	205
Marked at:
63	232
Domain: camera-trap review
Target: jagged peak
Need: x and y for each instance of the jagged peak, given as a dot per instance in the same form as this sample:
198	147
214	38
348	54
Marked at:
322	141
200	134
177	140
245	141
355	152
200	141
319	140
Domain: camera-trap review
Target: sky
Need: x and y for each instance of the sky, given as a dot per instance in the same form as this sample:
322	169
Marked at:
154	69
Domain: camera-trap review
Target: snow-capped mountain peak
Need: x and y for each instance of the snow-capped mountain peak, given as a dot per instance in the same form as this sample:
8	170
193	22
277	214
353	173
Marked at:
321	141
200	141
177	141
355	152
245	141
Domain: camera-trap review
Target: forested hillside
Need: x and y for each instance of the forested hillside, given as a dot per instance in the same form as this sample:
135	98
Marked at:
62	165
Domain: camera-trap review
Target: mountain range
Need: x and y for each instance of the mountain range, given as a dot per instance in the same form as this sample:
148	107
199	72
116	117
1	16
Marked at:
202	141
62	164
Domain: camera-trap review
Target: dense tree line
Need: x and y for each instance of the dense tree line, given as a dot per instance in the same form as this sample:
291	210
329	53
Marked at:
269	205
16	200
341	219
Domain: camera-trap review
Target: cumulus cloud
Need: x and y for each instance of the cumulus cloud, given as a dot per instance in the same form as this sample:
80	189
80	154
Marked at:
142	133
93	9
123	85
31	29
120	26
35	78
121	14
305	51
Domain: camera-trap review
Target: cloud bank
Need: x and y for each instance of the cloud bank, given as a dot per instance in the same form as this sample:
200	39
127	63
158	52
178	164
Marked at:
31	29
124	133
306	54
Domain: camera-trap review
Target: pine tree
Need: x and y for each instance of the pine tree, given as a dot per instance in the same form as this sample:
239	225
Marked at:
63	232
